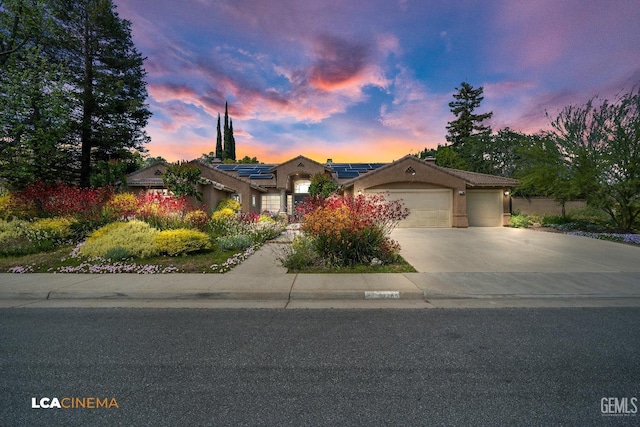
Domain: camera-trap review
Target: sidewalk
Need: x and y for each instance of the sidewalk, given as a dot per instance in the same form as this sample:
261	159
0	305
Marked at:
260	282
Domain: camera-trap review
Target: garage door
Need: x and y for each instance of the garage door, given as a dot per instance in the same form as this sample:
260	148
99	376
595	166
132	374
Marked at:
484	208
429	208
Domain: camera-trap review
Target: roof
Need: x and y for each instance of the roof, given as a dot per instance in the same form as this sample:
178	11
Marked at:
475	179
472	179
216	167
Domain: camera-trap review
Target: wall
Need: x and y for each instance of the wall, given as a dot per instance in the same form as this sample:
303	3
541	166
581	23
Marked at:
543	205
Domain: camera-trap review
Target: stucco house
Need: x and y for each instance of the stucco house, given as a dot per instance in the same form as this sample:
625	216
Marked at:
436	196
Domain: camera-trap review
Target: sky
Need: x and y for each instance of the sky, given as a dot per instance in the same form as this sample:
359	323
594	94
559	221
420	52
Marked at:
369	80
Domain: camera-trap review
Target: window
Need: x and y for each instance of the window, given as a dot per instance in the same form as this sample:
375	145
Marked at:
271	203
302	186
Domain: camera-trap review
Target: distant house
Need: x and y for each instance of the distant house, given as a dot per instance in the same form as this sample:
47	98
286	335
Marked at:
436	196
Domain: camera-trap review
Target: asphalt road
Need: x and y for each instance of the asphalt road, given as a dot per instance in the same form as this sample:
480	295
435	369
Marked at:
321	367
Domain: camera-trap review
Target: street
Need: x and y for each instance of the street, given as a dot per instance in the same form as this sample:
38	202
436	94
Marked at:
320	367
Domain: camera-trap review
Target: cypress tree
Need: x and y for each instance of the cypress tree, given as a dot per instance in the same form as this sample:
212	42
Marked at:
219	152
226	132
232	140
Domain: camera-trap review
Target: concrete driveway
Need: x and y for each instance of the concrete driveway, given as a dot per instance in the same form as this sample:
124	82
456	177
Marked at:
480	249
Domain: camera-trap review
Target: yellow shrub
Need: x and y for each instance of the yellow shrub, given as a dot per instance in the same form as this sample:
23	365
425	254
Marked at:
136	237
181	241
5	206
122	205
232	204
223	214
53	228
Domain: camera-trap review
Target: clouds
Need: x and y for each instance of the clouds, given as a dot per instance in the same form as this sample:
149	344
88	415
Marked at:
343	76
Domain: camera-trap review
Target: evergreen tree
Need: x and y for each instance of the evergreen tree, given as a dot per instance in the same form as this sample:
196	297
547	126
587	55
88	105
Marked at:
232	141
227	134
467	124
229	149
34	99
219	151
108	77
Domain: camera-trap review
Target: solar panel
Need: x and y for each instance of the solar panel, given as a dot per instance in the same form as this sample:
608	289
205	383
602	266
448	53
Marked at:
227	167
261	176
348	174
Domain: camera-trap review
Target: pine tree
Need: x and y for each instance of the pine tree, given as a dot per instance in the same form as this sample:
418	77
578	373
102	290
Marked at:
34	99
219	152
109	80
467	124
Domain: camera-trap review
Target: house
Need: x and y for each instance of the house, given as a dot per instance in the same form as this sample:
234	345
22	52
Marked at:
436	196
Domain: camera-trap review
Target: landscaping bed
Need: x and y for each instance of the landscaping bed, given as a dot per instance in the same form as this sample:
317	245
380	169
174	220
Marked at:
586	222
69	230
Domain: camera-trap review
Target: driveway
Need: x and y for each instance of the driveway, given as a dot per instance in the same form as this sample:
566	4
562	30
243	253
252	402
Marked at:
480	249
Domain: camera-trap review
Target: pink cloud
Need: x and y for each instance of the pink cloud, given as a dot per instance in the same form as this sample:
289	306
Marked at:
415	110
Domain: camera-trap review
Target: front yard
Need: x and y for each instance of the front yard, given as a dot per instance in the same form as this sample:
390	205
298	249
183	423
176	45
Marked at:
64	229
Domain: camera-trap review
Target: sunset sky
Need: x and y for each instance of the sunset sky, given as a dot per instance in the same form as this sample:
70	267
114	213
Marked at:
369	80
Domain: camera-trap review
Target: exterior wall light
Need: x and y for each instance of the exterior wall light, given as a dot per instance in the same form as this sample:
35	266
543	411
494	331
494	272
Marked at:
359	192
461	192
506	193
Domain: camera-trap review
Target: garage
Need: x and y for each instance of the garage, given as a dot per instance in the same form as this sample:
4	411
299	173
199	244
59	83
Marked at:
429	208
484	208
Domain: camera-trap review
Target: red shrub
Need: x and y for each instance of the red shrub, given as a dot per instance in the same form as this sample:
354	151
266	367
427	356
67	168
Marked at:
64	200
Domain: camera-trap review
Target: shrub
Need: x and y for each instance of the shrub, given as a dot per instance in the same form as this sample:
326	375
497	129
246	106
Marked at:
64	200
117	254
12	229
162	211
589	214
223	214
265	230
548	220
7	208
122	206
229	203
353	230
519	221
136	237
237	242
181	241
58	230
197	219
299	254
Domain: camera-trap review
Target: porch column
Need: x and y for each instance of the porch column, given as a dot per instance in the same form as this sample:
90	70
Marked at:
283	200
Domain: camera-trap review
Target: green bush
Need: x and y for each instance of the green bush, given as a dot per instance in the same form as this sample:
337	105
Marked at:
181	241
589	214
237	242
136	237
299	254
519	221
555	220
117	254
12	230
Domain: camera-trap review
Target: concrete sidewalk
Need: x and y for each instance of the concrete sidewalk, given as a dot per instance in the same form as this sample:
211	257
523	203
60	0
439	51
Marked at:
260	282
